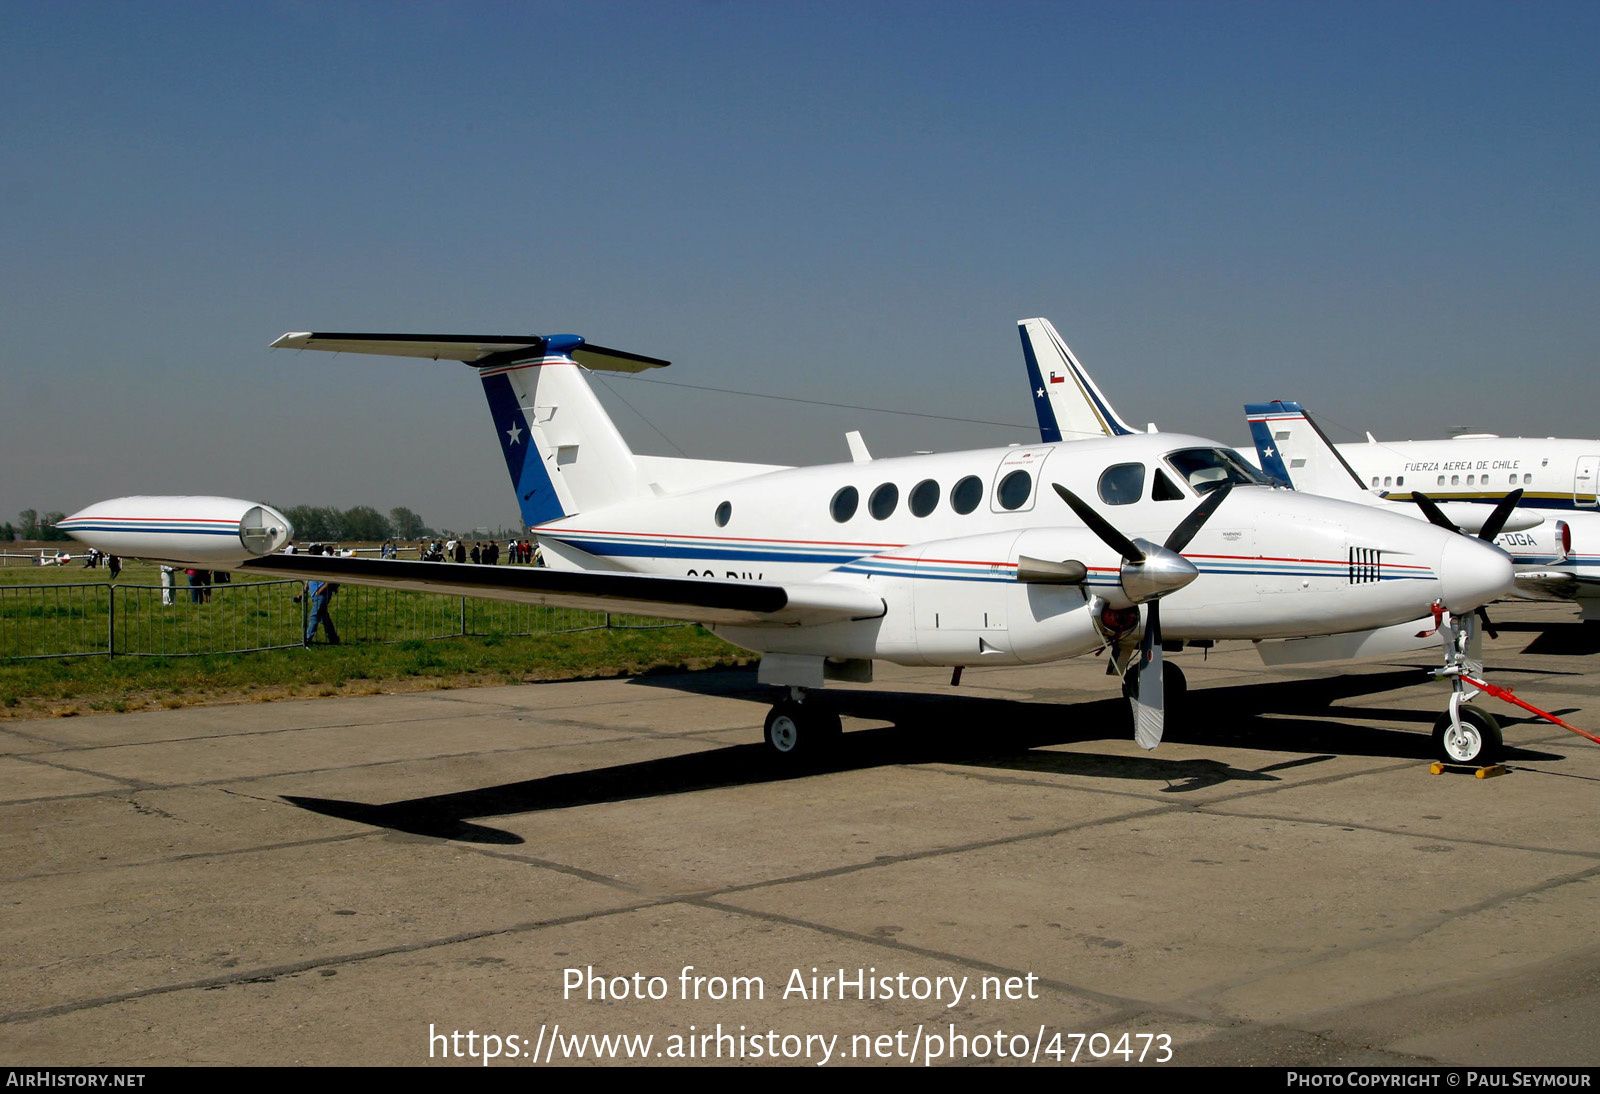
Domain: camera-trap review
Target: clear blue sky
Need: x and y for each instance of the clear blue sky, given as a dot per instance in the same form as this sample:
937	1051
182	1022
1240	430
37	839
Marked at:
1387	211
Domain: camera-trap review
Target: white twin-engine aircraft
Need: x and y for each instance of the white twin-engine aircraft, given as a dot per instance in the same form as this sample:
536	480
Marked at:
1003	556
1294	452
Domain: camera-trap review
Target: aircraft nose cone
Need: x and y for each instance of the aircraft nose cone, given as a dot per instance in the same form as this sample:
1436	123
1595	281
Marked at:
1472	573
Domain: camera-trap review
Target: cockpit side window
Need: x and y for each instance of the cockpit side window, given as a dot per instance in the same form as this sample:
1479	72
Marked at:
1122	484
1205	469
1165	489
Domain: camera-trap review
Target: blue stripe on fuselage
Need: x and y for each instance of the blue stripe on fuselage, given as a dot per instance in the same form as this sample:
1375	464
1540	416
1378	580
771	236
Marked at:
866	564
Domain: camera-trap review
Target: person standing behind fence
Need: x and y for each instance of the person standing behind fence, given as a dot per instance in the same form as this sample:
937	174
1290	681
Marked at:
114	563
168	580
321	592
196	596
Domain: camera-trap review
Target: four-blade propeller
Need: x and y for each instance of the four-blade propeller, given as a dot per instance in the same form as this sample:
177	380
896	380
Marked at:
1148	573
1491	528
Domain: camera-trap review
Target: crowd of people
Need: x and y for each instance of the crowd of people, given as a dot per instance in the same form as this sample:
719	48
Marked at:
523	552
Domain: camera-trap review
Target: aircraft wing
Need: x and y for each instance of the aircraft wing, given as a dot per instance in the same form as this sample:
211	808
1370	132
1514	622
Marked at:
696	600
1549	584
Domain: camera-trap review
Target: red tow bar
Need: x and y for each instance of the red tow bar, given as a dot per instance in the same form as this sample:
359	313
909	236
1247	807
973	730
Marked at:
1505	693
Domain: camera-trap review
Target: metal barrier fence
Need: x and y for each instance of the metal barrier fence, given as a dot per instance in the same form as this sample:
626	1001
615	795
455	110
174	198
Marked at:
96	619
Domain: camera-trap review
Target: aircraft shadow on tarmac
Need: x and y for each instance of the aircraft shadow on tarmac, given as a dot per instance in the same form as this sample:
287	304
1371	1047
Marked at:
1558	639
984	733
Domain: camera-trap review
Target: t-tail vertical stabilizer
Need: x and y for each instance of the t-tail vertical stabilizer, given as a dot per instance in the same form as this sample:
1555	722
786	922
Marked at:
1293	450
562	451
1069	405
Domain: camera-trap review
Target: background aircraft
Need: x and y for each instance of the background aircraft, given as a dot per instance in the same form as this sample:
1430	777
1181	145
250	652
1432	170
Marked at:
991	556
1546	535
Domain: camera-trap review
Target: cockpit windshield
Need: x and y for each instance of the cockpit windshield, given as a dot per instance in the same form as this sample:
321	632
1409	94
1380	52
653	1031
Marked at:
1205	469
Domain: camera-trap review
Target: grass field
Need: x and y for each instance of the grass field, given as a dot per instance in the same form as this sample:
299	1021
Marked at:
392	641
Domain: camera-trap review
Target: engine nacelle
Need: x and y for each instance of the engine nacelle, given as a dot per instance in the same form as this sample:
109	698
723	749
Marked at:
969	608
215	532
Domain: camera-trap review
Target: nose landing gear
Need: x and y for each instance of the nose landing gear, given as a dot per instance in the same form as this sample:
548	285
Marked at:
1466	734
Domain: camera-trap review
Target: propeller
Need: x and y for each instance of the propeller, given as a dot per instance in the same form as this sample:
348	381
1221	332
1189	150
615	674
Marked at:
1431	510
1100	526
1502	513
1491	528
1148	573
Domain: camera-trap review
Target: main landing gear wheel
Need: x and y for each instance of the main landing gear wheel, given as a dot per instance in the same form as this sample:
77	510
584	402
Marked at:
798	731
1478	744
1174	684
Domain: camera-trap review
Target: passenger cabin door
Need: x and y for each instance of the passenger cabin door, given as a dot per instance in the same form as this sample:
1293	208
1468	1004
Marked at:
1583	482
1017	481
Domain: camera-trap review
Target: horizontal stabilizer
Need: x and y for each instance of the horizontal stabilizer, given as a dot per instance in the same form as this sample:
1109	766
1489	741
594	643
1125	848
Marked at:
474	349
691	599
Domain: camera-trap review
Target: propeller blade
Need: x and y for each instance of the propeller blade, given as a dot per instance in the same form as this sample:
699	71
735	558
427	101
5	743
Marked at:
1432	511
1147	697
1488	627
1100	526
1497	520
1184	532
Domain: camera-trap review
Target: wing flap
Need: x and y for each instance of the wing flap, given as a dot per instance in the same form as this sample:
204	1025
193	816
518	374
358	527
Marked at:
696	600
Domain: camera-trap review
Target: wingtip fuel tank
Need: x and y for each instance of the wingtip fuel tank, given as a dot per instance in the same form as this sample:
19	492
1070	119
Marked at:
218	531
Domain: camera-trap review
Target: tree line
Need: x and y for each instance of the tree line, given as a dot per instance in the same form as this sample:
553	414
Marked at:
30	525
311	522
360	522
